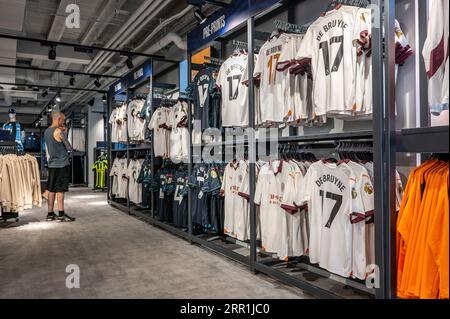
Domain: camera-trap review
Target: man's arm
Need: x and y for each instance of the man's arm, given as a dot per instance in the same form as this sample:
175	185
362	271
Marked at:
61	136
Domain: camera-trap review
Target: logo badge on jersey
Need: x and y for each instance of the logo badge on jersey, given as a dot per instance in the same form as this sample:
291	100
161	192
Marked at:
354	194
368	189
213	174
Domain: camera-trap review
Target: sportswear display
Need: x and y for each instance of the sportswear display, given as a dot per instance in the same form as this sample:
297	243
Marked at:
20	186
422	233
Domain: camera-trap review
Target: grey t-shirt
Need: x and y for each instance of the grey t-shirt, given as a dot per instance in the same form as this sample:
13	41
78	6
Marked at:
58	155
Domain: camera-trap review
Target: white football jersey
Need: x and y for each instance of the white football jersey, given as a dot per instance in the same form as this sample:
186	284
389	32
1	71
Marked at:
363	78
114	128
136	124
271	82
234	95
363	202
179	135
114	174
134	188
272	182
122	126
328	45
296	218
435	54
236	211
257	95
158	124
122	179
328	190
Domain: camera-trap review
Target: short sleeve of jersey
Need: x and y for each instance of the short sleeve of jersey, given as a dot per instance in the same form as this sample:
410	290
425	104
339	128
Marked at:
287	55
305	50
220	76
244	189
112	118
363	195
224	180
305	189
152	123
260	187
290	195
259	66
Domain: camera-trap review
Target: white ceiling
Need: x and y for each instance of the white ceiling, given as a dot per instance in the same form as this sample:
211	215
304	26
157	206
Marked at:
101	21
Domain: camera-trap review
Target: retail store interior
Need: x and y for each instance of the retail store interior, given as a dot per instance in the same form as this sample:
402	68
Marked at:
195	149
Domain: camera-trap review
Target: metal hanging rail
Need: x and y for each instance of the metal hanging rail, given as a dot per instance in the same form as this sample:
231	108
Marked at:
68	73
80	47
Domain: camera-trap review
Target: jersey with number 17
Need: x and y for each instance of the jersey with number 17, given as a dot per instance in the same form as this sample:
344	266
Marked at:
272	81
329	47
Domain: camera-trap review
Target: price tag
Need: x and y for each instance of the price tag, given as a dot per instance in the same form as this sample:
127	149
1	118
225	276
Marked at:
161	193
200	195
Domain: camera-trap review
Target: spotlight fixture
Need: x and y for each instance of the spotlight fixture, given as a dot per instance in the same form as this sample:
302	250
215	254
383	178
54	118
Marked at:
91	102
45	93
104	98
97	83
129	63
52	53
58	98
72	81
199	16
49	109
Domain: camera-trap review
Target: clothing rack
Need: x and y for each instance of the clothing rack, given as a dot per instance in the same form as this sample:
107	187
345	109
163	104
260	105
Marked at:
290	27
354	3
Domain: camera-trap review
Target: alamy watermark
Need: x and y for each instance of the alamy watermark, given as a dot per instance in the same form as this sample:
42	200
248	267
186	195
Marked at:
73	279
73	16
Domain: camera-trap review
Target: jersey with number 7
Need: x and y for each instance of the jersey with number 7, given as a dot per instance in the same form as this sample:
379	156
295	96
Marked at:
330	48
329	191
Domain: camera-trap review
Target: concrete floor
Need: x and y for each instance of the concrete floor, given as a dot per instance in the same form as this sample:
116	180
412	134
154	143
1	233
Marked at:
119	257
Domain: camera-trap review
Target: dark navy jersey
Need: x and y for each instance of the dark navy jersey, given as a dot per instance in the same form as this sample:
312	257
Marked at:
206	107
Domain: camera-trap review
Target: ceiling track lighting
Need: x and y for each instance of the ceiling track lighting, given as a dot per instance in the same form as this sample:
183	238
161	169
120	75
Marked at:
97	83
45	93
200	17
104	98
129	63
58	98
52	53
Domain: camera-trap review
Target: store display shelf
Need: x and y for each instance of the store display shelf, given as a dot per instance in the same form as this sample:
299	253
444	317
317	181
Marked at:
423	140
298	139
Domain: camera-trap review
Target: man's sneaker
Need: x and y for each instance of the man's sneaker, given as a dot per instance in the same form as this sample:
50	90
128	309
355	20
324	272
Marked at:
51	217
66	218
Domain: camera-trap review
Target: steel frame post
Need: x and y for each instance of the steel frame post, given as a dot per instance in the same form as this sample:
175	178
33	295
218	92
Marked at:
109	144
152	154
378	143
391	154
190	150
251	142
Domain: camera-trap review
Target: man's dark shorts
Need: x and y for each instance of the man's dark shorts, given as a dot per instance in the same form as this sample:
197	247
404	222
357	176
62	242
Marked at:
58	179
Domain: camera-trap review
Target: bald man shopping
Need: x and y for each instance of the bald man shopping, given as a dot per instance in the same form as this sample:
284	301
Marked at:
58	167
